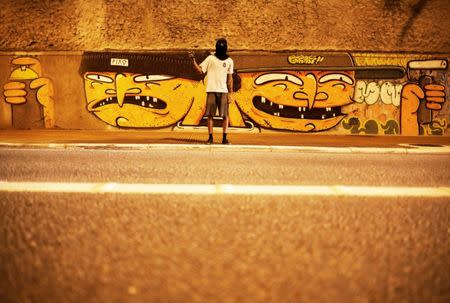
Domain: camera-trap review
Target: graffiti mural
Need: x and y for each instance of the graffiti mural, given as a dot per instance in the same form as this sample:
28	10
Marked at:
29	94
142	90
305	92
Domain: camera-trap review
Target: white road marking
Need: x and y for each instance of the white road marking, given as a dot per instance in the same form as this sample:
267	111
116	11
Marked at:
225	189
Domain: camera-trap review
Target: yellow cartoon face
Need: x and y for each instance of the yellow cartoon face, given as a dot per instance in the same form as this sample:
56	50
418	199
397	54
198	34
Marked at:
138	100
296	100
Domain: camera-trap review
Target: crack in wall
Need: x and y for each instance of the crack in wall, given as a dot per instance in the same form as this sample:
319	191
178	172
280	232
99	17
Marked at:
416	10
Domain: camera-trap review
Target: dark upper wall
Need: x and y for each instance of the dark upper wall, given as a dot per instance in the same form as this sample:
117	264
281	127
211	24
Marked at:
354	25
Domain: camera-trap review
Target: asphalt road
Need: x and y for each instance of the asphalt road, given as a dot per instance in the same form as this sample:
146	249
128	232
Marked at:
152	247
223	166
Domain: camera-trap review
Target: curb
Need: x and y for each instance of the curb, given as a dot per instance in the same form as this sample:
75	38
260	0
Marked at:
400	149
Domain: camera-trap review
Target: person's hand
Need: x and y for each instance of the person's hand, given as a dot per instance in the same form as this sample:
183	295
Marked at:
228	98
191	55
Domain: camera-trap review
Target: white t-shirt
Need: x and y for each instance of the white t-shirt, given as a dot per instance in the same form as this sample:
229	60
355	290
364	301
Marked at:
216	73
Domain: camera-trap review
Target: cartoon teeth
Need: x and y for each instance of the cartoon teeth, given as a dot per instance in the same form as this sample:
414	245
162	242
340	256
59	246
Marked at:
144	101
149	102
295	112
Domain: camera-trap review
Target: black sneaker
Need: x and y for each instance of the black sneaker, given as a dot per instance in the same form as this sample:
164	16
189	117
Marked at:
210	141
225	141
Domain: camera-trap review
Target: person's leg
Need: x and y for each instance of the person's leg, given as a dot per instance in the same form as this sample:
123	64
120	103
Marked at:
224	114
210	129
210	111
226	120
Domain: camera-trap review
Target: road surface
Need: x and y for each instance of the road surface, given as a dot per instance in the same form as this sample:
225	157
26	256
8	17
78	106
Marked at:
96	225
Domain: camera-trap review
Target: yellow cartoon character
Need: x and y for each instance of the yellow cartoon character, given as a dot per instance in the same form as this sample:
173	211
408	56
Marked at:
303	93
142	90
26	77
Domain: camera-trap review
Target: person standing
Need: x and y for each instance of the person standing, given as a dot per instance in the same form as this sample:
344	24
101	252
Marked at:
219	84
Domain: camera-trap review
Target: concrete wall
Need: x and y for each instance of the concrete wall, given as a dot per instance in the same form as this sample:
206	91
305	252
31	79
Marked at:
48	82
347	25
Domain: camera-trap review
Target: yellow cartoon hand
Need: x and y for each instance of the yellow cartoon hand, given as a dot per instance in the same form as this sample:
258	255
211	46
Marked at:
434	96
15	93
44	93
411	96
44	96
25	68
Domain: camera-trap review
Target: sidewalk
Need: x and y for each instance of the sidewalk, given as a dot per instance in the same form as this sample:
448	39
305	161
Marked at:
196	139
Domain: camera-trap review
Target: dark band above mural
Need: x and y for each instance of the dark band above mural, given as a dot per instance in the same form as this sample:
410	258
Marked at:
337	93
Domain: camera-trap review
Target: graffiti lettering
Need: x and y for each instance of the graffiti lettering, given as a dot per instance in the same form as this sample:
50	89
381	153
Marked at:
303	59
372	92
119	62
390	93
367	92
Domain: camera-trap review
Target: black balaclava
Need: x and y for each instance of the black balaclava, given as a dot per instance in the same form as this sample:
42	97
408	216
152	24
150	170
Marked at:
221	49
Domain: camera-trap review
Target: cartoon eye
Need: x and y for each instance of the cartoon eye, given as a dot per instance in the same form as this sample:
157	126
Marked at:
149	78
278	77
336	77
100	78
281	85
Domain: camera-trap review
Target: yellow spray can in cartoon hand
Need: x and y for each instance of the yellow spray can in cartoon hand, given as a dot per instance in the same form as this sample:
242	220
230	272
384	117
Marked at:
426	74
25	82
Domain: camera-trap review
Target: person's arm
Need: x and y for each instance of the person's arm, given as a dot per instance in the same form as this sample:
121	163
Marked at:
230	81
229	86
197	67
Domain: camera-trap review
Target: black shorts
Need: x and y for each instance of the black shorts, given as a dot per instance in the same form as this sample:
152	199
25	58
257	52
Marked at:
214	101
